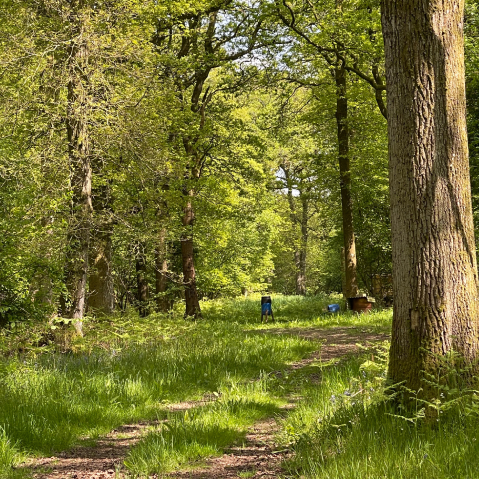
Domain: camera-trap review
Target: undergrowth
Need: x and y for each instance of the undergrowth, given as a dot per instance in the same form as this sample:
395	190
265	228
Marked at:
351	426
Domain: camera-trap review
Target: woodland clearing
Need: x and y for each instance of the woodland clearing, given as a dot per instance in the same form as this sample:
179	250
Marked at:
301	397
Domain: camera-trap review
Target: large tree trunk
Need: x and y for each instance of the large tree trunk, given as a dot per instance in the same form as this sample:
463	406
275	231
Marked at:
434	258
350	274
189	274
101	296
78	236
161	272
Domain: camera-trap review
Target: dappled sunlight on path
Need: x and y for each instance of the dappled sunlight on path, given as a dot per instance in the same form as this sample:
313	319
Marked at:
255	457
100	461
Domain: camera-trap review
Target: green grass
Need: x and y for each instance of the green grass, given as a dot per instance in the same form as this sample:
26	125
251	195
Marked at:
61	389
294	311
127	369
347	429
192	435
10	454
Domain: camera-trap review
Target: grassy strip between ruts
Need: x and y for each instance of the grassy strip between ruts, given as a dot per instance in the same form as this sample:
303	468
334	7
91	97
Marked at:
190	436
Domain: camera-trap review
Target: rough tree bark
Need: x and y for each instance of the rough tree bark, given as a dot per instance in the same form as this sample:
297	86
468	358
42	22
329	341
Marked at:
78	236
350	273
101	296
141	280
434	258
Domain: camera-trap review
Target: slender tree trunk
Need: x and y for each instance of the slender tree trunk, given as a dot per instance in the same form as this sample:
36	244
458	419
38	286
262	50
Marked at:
302	222
141	280
161	271
188	258
351	286
301	254
78	236
297	265
101	296
434	258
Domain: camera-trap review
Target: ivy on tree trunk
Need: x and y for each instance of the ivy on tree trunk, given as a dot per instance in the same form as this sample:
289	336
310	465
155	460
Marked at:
78	110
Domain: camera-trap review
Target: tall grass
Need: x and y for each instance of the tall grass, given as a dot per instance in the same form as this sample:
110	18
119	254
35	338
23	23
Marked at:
192	435
294	311
286	308
10	455
348	429
49	401
59	389
188	437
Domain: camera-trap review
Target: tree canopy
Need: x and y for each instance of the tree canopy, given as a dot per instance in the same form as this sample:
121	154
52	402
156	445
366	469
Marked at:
153	153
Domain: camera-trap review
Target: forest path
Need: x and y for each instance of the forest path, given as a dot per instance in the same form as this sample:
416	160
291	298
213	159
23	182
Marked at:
260	456
256	457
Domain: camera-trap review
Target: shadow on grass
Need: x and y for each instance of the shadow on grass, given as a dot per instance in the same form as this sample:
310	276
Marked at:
49	402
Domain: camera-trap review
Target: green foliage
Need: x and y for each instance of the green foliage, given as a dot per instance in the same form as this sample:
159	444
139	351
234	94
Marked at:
154	85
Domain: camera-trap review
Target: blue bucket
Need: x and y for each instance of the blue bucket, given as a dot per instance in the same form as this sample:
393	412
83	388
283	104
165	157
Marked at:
333	308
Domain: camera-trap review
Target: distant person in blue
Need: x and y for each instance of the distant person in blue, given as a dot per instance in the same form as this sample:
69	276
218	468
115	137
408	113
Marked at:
266	308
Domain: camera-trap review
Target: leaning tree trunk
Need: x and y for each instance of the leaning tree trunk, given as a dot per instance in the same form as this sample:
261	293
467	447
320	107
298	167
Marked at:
434	257
78	236
350	282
